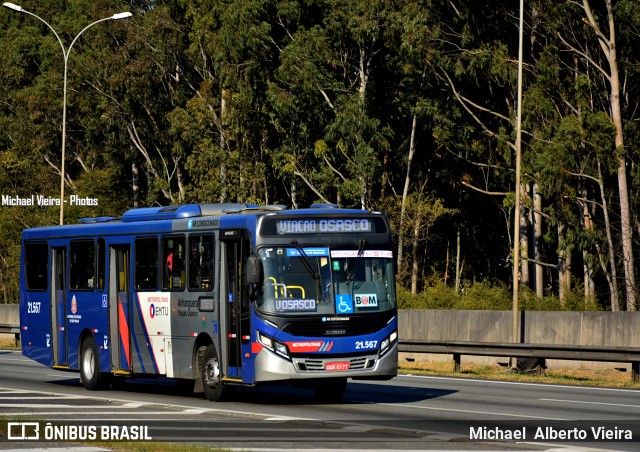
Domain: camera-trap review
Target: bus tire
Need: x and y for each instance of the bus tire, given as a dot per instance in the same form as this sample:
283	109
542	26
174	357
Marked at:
331	390
211	375
90	374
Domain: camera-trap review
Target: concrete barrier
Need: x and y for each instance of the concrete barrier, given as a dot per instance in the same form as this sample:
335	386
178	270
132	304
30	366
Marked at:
616	329
9	314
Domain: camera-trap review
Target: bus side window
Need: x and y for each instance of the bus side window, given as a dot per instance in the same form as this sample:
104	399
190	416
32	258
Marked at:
36	258
101	263
146	264
173	273
82	265
201	262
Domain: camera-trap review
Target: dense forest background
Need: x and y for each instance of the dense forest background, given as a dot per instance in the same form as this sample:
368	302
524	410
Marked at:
403	106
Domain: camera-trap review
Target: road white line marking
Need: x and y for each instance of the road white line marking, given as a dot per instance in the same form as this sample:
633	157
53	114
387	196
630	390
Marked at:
87	413
60	405
194	411
590	403
40	397
166	405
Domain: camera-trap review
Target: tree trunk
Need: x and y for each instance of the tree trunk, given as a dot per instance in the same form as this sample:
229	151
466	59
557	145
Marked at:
564	266
524	240
415	266
537	241
405	192
612	274
446	265
458	262
608	46
625	211
223	145
588	271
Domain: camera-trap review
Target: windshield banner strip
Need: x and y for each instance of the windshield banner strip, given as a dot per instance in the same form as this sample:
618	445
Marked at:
293	252
366	253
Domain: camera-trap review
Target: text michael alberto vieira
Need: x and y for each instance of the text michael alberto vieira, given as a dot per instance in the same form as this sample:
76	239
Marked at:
594	433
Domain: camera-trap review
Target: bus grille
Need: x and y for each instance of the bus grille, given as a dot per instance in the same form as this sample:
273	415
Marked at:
355	327
315	365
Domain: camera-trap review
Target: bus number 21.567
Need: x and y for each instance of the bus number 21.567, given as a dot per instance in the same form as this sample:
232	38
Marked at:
366	345
33	307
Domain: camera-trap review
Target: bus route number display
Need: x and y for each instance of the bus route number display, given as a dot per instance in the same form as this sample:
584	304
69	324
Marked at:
324	226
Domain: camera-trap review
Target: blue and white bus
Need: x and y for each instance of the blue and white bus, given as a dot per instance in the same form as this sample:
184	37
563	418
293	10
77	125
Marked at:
221	295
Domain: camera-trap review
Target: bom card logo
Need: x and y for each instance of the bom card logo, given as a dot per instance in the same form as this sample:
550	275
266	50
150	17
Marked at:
366	301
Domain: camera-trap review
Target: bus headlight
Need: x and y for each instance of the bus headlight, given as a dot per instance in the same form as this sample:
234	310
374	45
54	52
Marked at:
386	344
265	340
273	345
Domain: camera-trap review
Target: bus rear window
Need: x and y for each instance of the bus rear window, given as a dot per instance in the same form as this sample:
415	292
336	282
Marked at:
36	258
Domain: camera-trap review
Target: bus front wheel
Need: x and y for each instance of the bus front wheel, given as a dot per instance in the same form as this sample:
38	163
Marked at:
211	375
90	374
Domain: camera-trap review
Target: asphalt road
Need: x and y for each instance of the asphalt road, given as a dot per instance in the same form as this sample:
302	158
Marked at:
407	413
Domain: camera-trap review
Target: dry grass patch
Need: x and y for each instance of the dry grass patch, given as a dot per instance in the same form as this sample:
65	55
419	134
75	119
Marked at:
9	343
586	377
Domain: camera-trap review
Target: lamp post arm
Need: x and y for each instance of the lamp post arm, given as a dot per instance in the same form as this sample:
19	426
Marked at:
64	52
83	30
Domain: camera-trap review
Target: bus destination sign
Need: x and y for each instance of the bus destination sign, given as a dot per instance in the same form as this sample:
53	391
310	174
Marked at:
324	226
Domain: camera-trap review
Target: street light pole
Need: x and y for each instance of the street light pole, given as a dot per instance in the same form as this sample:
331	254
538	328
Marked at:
65	54
516	232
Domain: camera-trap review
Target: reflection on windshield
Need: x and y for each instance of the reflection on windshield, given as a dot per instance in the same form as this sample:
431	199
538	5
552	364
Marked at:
337	282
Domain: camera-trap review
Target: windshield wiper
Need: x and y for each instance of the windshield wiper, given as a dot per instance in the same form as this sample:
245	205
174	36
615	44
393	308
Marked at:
349	276
305	261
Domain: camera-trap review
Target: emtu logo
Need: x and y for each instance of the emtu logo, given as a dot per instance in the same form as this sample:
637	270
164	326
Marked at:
160	311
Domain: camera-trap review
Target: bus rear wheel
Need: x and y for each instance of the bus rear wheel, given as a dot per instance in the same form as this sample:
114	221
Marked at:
331	390
90	374
211	375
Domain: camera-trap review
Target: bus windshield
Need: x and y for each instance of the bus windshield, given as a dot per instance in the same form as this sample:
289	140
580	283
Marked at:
304	281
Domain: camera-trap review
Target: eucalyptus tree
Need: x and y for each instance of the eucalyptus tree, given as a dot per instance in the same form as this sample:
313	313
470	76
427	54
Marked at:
600	55
225	124
333	60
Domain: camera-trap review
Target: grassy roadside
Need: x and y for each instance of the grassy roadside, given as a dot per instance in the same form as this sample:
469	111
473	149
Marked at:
607	378
8	344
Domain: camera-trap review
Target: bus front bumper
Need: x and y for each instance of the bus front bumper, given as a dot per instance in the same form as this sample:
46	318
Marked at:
272	367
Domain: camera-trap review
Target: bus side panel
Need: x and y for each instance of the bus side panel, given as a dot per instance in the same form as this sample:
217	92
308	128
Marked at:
182	358
35	325
86	312
151	327
35	322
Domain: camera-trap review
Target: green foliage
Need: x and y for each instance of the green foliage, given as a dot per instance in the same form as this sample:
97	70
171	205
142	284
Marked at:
298	101
485	296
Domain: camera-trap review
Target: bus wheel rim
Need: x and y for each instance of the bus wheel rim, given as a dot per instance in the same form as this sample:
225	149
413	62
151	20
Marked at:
213	373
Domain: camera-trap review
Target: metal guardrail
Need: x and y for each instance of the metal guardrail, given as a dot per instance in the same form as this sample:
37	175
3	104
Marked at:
11	329
542	351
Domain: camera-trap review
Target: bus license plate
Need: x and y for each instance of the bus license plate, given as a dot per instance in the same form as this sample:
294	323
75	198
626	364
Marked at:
337	366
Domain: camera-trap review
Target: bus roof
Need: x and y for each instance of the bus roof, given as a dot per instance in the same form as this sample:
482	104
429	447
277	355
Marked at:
139	220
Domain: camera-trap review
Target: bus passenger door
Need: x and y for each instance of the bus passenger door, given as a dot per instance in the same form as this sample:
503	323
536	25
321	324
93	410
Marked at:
59	306
119	311
235	312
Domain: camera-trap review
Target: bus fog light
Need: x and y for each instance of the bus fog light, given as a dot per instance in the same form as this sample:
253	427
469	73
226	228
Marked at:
282	349
393	337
